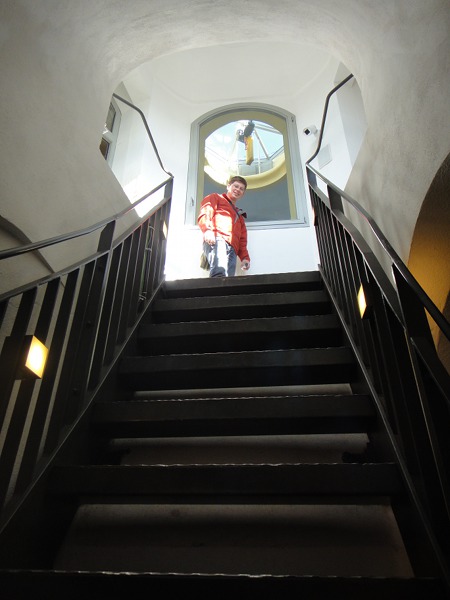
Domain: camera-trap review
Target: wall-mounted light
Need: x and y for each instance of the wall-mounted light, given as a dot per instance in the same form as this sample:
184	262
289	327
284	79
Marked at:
364	301
34	357
315	219
310	130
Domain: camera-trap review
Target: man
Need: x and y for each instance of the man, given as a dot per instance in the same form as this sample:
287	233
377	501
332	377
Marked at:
224	230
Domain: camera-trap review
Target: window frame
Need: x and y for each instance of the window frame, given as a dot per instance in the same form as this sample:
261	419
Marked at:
209	122
110	136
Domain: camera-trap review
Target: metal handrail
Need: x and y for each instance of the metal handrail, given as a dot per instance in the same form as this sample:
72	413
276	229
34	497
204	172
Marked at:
80	232
325	113
428	304
147	128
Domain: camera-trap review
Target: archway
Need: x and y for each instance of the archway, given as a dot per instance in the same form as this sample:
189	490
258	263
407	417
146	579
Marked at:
430	250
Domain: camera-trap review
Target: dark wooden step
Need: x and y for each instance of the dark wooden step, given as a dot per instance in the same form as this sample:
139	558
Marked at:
55	585
240	306
251	284
228	484
240	334
235	369
234	416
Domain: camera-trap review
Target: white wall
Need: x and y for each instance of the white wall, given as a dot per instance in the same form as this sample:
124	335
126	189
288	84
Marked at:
52	108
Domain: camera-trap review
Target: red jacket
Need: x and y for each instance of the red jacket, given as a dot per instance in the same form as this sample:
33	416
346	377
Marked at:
218	214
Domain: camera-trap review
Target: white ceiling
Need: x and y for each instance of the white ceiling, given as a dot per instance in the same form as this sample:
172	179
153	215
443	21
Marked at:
229	71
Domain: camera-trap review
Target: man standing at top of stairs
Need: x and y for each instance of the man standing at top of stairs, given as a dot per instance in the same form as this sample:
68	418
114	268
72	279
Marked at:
224	230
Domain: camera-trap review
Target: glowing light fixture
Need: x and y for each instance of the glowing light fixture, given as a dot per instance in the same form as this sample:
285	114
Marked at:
35	355
364	303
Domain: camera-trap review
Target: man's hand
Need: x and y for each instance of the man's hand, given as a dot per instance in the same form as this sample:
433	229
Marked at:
209	237
245	265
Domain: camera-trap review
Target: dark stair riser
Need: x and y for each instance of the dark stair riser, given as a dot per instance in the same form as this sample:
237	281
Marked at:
234	416
95	586
223	484
282	367
255	284
243	334
240	307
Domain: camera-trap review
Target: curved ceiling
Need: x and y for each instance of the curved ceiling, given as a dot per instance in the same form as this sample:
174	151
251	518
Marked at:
242	71
124	39
119	41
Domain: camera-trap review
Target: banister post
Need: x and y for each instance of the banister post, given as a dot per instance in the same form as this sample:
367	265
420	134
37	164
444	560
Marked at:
335	199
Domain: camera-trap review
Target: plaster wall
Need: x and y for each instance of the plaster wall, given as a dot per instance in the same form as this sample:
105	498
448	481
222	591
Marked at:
405	84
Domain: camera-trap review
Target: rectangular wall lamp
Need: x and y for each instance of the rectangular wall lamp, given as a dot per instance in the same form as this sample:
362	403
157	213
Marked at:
34	357
364	302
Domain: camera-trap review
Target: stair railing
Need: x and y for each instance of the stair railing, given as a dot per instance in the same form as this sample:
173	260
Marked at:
393	342
147	129
84	314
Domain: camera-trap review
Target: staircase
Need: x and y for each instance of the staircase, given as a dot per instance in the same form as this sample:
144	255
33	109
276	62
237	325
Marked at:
229	455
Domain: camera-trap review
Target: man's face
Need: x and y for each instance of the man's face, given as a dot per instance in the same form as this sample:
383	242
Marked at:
235	190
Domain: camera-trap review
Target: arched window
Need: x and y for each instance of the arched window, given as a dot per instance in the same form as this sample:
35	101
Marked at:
260	143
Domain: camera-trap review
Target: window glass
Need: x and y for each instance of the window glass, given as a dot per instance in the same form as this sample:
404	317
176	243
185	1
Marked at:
104	147
110	118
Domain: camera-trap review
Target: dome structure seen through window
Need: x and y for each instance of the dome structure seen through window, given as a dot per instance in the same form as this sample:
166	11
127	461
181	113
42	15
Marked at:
250	148
258	142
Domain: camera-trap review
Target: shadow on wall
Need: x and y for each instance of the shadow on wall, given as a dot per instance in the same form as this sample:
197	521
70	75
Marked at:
430	249
443	345
22	269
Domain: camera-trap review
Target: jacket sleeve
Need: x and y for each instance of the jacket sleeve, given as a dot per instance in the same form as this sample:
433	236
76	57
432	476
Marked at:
243	252
205	218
